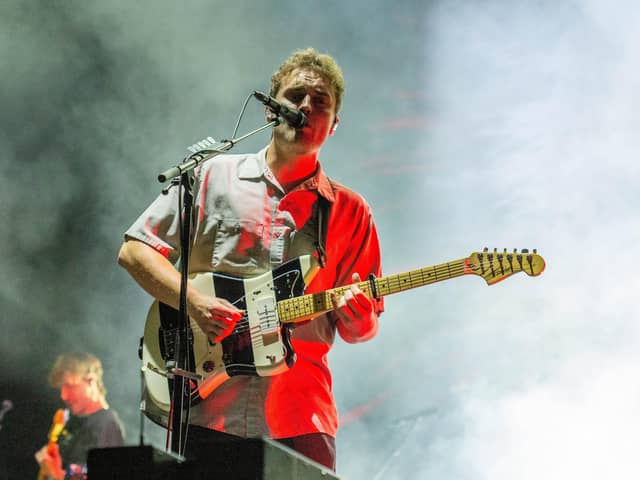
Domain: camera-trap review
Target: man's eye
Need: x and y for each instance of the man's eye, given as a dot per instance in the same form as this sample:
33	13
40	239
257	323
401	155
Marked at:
296	97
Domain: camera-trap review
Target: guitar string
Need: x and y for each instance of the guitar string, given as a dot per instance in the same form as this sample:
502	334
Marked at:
392	282
397	281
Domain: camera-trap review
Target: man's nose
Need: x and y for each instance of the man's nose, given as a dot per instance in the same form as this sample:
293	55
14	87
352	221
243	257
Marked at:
305	104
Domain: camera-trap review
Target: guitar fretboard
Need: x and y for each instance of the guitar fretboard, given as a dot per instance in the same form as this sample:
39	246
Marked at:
307	306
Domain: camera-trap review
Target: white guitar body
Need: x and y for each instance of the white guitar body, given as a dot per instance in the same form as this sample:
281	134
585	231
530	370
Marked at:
259	345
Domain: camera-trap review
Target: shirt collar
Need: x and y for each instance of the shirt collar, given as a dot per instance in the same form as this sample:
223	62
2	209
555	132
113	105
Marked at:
320	182
254	166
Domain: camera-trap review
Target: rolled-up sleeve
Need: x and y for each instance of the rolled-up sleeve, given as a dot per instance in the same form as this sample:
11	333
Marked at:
159	226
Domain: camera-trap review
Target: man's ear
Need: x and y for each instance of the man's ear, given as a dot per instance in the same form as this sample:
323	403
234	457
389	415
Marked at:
336	121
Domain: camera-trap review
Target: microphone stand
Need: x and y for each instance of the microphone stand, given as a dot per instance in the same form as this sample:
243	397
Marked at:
179	369
6	406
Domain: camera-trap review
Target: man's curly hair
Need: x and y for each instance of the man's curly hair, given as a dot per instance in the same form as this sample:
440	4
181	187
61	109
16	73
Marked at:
321	63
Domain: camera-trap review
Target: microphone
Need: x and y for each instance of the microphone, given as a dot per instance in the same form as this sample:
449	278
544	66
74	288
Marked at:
292	116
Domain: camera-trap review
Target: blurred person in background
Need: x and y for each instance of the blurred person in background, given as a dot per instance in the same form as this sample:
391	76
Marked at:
86	423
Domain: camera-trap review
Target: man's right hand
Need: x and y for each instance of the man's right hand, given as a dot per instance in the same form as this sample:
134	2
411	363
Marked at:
216	317
50	462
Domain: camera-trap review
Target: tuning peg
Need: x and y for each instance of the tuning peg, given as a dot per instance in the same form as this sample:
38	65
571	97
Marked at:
525	250
535	250
485	249
495	250
504	251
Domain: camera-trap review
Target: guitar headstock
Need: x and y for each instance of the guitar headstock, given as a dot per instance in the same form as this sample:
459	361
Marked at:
496	266
60	419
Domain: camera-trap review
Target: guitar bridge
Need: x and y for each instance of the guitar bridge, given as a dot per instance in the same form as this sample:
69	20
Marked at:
265	310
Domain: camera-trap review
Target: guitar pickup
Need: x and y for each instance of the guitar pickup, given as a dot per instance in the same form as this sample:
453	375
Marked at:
167	341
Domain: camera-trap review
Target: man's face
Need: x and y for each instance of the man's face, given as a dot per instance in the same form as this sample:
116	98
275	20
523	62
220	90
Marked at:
78	393
311	93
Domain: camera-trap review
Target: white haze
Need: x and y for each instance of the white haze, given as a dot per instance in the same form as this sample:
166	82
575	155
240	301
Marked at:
465	124
533	142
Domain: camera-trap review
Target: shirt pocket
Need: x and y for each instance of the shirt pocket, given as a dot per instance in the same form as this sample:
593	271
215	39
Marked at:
239	246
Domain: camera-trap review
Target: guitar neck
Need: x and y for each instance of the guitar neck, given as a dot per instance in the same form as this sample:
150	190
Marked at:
416	278
302	308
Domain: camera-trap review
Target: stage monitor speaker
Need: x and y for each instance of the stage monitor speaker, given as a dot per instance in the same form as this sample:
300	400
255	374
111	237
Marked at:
141	462
250	459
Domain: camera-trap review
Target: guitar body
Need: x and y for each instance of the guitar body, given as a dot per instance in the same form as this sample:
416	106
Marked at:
259	345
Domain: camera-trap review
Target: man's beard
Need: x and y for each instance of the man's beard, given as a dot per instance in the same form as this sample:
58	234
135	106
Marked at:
286	133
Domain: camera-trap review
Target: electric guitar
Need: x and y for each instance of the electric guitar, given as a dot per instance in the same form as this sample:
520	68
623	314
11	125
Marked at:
273	302
57	427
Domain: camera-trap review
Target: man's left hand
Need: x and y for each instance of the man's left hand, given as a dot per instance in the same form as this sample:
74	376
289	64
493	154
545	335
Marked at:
355	310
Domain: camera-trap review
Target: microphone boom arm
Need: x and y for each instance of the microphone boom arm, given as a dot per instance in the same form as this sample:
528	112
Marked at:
192	161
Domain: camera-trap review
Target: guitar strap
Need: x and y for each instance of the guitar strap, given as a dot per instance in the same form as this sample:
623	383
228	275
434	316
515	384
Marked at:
324	207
